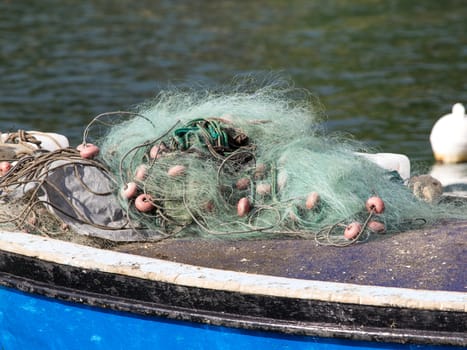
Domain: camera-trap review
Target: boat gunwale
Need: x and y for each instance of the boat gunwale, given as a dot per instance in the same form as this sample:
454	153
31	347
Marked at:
86	257
66	272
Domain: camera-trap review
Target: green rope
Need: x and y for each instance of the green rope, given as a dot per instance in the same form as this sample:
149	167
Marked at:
200	131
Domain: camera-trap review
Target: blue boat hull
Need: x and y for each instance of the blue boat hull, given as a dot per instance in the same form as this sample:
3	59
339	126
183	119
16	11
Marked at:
28	321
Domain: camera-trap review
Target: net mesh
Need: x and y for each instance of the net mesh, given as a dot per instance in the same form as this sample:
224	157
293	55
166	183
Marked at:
244	164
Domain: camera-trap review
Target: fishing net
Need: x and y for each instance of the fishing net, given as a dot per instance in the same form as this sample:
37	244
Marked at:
244	163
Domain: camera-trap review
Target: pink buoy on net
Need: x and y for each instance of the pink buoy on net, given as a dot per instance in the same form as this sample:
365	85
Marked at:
157	150
176	170
129	190
243	206
375	204
144	203
312	200
88	150
376	226
243	183
141	172
4	167
352	230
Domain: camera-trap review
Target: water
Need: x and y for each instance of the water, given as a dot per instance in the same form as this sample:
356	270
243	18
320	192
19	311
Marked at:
385	71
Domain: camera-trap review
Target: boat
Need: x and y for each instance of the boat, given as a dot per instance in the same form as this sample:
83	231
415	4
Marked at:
123	278
205	294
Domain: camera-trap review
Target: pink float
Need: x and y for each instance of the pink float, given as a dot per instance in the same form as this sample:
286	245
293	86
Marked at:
312	200
4	167
375	204
144	203
141	172
243	183
376	227
129	190
88	150
243	206
176	170
352	230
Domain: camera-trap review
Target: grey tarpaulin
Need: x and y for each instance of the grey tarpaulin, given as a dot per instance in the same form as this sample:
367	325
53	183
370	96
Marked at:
83	196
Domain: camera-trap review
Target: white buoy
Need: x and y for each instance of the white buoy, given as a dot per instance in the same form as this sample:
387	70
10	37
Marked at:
449	136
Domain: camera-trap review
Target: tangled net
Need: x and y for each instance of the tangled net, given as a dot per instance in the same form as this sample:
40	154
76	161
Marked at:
242	165
239	165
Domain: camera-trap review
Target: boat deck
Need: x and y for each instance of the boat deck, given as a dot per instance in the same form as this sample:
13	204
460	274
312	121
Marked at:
432	258
281	285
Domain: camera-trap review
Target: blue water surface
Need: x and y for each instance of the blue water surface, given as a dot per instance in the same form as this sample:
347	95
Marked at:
32	322
384	71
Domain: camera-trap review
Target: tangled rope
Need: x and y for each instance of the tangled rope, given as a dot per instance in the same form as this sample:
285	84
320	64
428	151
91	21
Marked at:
24	184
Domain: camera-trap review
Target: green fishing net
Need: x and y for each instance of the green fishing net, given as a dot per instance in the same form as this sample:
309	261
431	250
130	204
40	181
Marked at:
242	164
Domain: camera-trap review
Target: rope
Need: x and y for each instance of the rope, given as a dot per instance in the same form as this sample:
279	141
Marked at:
35	169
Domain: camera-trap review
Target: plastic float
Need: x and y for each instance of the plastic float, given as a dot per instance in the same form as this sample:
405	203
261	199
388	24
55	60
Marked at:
391	162
14	144
449	143
449	136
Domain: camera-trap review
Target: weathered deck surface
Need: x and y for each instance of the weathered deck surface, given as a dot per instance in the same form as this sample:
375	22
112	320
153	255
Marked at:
433	258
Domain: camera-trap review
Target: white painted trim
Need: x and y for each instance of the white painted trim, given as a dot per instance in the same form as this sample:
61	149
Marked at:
85	257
